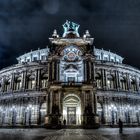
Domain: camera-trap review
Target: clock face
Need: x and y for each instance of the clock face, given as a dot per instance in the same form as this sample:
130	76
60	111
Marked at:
71	53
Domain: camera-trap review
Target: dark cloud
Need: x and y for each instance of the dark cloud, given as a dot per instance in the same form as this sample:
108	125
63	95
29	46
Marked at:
27	24
51	7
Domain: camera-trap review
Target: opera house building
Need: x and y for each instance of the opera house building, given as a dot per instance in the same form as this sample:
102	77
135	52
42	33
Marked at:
69	80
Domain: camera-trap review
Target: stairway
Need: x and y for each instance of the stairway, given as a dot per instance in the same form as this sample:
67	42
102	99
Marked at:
72	126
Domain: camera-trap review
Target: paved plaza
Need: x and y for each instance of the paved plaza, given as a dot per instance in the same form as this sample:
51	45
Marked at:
70	134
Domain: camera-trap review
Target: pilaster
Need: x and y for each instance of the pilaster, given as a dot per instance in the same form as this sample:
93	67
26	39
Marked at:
128	82
24	74
12	82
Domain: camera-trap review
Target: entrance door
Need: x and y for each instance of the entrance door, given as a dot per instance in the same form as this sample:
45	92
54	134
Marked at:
71	115
72	109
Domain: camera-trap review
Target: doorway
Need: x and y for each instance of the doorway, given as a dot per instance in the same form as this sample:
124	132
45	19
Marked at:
72	109
71	115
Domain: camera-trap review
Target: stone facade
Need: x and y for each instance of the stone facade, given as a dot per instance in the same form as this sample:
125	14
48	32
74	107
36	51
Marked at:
69	80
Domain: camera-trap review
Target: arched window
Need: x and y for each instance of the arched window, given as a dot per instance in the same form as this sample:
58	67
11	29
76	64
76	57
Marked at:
123	83
71	74
17	83
30	82
133	84
110	82
7	85
44	80
71	65
98	80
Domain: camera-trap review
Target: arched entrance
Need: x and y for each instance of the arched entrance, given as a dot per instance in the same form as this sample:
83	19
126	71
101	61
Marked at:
72	109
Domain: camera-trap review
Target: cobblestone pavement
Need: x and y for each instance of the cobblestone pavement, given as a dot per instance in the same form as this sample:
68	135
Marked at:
70	134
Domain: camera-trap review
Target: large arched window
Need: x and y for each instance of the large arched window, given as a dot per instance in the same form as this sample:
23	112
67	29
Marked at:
123	83
7	85
17	83
133	84
44	80
110	82
30	82
71	74
71	65
98	80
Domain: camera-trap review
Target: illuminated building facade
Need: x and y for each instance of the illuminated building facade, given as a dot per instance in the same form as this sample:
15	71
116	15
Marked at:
72	80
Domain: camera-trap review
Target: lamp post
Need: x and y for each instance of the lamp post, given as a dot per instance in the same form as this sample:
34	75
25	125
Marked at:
13	115
28	112
113	110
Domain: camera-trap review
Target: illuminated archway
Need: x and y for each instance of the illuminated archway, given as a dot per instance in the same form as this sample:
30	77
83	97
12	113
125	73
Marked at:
72	109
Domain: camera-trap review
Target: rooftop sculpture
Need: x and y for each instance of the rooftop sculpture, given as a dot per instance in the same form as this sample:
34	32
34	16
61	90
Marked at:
70	27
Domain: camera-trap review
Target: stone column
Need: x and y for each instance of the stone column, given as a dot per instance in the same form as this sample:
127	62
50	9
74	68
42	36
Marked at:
84	102
48	102
39	78
36	79
102	78
12	82
89	67
117	80
38	71
51	100
94	71
137	83
31	57
128	82
105	79
118	75
104	111
24	74
88	70
60	102
95	103
92	101
39	55
58	71
2	85
53	70
49	71
85	71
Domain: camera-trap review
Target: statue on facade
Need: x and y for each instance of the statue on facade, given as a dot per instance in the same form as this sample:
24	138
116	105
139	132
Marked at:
70	27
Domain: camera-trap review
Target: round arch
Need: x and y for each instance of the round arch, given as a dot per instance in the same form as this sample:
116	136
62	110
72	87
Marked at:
72	109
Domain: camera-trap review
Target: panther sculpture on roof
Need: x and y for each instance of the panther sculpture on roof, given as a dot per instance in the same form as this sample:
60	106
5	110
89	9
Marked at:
70	27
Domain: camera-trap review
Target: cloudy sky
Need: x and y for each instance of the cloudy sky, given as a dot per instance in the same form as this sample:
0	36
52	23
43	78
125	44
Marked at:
27	24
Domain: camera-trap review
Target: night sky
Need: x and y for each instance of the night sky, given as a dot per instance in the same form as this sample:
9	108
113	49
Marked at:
27	24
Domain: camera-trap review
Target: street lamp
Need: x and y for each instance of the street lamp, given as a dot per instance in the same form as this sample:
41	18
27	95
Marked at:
13	115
